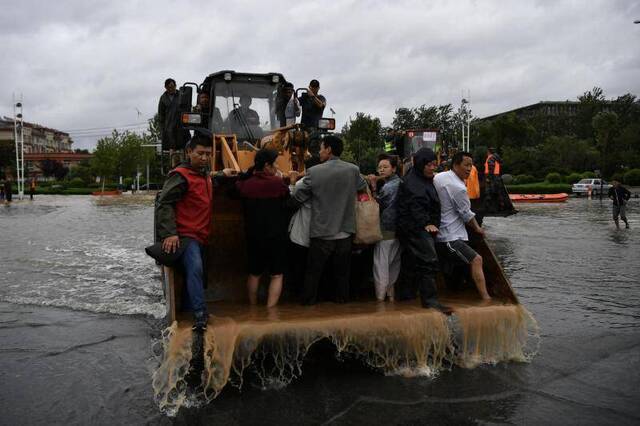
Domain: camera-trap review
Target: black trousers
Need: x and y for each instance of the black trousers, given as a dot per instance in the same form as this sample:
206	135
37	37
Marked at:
334	255
420	273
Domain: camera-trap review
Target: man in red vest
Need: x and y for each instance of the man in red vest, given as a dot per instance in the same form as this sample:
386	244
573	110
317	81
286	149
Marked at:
183	216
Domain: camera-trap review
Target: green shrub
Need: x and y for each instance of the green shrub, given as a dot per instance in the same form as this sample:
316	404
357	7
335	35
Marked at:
524	179
632	177
553	177
539	188
619	176
588	175
76	183
572	178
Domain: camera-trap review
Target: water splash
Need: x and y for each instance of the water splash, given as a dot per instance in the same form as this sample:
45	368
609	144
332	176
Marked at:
402	340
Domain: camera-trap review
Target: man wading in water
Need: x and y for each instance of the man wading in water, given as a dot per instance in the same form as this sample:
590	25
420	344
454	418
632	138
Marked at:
619	195
184	215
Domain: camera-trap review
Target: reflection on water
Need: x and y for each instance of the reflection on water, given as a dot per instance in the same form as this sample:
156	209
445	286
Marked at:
568	262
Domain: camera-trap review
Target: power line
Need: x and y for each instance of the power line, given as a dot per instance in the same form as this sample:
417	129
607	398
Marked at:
108	132
145	123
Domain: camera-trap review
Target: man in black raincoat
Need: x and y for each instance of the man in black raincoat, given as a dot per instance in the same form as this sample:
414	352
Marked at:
173	136
418	210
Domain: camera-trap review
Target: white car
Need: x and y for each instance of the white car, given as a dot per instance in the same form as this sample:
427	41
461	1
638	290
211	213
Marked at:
594	185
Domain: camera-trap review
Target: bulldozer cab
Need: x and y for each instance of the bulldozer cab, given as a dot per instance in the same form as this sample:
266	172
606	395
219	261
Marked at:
239	104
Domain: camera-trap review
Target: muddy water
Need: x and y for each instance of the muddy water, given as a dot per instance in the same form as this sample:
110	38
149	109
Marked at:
88	359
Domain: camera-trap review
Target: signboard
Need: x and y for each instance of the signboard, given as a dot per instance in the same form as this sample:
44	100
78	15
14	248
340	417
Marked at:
429	136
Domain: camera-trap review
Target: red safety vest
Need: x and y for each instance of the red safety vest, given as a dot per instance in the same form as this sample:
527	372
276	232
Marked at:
496	166
193	211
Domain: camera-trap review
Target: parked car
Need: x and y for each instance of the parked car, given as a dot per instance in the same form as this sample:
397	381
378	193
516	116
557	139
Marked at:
152	187
583	187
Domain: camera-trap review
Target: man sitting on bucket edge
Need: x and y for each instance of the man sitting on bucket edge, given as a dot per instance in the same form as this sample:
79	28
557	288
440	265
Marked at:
184	213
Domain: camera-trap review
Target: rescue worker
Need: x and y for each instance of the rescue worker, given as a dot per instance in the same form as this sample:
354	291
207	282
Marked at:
493	183
183	218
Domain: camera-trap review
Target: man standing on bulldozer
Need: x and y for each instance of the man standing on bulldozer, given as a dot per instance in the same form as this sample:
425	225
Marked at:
173	136
312	105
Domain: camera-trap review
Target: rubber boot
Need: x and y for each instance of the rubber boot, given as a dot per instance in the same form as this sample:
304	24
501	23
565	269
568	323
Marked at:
429	297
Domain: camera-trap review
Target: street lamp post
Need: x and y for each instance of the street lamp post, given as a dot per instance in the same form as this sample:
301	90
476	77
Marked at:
18	133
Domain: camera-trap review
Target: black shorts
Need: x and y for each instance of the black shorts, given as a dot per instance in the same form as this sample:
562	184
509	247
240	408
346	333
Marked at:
459	250
267	255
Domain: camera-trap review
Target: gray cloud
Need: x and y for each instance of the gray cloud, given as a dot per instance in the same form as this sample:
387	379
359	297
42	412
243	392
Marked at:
91	64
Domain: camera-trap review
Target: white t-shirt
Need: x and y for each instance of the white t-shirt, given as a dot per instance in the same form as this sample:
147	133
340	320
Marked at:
455	207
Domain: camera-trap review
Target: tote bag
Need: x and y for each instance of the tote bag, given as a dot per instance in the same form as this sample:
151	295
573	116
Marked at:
367	220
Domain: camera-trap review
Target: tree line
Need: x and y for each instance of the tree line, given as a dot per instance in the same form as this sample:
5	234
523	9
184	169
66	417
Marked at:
603	135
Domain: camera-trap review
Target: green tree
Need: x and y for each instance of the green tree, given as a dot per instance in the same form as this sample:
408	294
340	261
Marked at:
591	103
363	138
105	157
605	126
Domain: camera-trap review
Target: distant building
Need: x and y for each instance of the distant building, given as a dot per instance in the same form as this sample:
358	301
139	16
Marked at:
542	108
37	138
40	144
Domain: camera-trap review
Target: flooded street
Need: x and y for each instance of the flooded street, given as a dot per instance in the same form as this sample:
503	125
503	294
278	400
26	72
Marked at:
80	309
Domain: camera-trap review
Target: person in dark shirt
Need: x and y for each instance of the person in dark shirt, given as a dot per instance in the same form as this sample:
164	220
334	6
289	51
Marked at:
282	102
312	105
619	195
264	196
173	136
245	121
418	220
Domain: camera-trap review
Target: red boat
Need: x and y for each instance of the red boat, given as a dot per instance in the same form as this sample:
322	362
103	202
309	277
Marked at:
539	198
107	192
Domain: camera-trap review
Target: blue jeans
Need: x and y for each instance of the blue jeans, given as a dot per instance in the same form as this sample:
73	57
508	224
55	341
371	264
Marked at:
193	275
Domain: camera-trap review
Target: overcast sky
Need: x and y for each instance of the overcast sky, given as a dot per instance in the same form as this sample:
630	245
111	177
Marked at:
94	64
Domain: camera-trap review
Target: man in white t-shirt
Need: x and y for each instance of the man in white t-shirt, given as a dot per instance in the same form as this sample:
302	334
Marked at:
456	214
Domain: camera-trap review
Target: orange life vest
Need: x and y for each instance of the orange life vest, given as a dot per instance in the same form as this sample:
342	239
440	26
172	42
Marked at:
193	211
496	165
473	184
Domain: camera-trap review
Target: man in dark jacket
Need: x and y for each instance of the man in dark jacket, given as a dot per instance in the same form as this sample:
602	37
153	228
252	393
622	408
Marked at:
183	217
173	136
418	216
619	195
331	187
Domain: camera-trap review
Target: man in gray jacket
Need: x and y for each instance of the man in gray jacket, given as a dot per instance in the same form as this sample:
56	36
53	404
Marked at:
332	188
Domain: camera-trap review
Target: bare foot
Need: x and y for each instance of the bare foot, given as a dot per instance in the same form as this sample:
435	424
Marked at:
486	301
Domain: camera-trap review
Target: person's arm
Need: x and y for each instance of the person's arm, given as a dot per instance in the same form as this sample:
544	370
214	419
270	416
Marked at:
297	107
173	190
462	205
302	192
627	194
319	100
161	112
610	193
361	183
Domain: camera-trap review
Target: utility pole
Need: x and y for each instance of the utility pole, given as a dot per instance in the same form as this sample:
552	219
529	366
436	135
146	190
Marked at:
465	121
18	134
